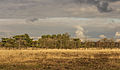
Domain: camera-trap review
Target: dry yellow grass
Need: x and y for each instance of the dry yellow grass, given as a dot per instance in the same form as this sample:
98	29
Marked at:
26	55
45	57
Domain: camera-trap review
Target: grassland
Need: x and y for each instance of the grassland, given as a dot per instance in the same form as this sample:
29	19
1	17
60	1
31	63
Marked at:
60	59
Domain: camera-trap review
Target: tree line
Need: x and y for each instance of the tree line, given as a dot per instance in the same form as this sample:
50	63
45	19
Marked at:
56	41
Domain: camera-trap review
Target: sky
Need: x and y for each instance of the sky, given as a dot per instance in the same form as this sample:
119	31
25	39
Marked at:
92	19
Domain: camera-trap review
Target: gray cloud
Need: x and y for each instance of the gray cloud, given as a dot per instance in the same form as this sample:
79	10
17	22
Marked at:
102	5
93	27
59	8
36	17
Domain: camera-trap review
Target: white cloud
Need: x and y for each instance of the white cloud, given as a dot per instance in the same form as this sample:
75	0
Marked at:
80	32
117	34
102	36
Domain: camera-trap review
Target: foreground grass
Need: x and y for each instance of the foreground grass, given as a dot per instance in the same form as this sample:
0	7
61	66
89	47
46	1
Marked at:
54	59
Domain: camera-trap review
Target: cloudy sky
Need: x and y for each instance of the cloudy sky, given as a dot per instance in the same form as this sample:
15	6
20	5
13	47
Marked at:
82	18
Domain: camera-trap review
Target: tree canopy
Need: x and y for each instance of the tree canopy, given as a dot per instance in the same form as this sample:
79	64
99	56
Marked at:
56	41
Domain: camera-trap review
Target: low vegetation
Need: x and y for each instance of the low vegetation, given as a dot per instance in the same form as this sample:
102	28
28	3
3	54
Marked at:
60	59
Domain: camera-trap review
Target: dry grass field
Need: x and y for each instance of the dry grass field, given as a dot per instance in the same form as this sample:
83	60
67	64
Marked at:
60	59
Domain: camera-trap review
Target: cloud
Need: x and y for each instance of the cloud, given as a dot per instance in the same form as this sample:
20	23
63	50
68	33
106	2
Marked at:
80	27
80	32
102	5
102	36
117	34
59	8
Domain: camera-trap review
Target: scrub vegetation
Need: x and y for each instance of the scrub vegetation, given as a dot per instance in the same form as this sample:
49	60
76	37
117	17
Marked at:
60	59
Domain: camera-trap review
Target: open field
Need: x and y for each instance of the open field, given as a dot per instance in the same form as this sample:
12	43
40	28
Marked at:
54	59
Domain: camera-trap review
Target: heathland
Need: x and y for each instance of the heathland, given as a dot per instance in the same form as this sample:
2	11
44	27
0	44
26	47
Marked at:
60	59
